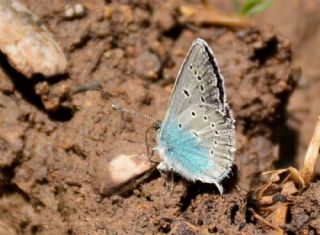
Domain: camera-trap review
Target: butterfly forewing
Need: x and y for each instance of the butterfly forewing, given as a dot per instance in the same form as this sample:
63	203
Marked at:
199	81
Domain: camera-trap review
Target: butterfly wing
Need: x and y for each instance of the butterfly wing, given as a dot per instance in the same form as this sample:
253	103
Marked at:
199	80
197	137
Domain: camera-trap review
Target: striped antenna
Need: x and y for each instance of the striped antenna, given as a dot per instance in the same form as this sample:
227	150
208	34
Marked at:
157	123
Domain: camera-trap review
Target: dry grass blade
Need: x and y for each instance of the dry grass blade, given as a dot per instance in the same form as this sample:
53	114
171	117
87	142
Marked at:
278	218
263	220
310	161
283	182
304	176
207	15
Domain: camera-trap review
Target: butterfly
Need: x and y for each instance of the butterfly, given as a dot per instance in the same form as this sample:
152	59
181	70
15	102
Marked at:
197	137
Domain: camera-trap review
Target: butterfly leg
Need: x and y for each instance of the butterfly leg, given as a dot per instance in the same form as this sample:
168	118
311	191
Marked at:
164	169
169	184
150	156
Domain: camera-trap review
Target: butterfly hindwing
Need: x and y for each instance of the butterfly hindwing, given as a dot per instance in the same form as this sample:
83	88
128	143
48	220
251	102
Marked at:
212	130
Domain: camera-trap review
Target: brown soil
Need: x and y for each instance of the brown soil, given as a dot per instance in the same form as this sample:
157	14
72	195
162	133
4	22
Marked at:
56	143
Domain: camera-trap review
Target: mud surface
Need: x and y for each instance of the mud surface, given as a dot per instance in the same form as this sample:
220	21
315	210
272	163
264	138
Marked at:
58	136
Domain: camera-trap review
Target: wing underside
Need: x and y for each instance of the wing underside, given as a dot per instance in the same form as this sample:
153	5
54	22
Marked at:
198	107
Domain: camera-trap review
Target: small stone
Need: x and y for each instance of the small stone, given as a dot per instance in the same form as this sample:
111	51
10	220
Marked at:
74	11
110	175
147	65
79	10
27	43
68	12
42	88
124	167
51	96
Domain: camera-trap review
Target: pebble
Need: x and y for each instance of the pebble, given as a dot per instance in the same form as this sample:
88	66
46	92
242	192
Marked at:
27	43
74	11
147	65
111	175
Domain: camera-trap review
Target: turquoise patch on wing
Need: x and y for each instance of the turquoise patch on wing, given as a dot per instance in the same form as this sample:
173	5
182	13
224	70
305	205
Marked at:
184	149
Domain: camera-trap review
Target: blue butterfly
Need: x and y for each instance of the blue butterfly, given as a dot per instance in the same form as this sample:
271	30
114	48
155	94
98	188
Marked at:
197	136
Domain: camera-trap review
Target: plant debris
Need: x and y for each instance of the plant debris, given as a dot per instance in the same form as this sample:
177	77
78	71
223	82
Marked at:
275	196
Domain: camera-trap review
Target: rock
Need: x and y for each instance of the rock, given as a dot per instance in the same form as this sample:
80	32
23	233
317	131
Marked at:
51	94
110	175
27	43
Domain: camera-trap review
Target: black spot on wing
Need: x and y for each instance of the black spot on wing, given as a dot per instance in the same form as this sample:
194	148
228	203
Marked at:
186	92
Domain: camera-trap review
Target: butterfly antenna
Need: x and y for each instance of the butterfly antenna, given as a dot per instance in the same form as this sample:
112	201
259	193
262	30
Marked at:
137	114
156	124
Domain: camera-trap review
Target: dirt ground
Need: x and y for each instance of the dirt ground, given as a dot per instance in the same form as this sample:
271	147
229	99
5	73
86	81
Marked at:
56	144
